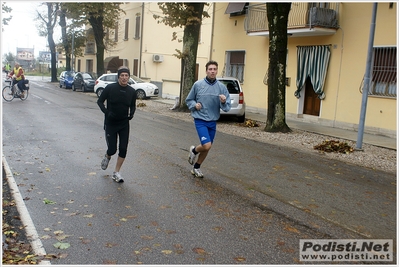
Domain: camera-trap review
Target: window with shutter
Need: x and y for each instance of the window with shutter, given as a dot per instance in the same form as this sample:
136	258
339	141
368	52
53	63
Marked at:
137	29
235	64
116	32
126	29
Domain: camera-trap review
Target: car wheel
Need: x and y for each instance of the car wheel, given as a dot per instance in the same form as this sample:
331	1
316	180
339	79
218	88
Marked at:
241	118
140	94
99	91
73	87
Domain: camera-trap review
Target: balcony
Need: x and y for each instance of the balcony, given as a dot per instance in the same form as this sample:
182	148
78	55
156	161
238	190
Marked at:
304	19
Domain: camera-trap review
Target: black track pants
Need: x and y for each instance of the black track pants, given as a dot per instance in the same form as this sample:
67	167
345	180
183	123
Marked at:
111	136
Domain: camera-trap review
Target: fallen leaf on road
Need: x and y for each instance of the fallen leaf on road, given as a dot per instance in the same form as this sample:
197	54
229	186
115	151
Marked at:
61	245
239	259
47	201
200	251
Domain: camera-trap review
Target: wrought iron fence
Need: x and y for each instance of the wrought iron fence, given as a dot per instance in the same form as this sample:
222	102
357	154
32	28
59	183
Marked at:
383	80
302	15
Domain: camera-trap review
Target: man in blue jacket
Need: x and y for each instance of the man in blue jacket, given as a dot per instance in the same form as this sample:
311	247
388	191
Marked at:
205	99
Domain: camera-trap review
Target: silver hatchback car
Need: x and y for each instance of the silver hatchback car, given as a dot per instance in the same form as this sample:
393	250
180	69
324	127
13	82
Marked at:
237	98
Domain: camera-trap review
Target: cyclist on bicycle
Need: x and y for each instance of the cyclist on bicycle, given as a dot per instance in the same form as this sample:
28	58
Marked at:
18	78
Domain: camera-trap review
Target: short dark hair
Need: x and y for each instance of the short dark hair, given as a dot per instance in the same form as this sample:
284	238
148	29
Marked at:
211	62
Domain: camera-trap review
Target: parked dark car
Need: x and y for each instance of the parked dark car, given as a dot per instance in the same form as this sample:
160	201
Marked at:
83	81
66	79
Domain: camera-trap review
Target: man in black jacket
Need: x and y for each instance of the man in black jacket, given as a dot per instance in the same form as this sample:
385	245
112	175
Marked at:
121	105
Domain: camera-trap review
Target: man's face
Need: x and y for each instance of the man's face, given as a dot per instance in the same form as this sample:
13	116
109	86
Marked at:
123	78
212	71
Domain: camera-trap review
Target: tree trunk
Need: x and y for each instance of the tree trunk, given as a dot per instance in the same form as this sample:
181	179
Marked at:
96	23
277	16
189	53
51	43
65	41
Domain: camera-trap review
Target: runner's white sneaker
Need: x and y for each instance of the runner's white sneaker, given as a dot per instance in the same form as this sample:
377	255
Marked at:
104	162
197	173
117	177
191	155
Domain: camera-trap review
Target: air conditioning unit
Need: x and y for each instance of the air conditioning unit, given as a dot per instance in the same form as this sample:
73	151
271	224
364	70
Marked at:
157	58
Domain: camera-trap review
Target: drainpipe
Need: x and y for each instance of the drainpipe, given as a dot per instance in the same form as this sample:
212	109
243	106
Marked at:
339	78
141	37
366	80
212	31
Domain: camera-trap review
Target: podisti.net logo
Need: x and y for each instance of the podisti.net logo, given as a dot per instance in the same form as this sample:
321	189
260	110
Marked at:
371	250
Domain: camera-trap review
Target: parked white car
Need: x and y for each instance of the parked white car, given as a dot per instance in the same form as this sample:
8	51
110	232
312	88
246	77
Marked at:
237	98
143	89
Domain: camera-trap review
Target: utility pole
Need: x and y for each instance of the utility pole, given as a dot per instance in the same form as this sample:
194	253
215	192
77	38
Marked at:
73	49
366	83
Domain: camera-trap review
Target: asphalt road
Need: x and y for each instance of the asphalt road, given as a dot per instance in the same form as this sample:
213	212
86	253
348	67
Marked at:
54	144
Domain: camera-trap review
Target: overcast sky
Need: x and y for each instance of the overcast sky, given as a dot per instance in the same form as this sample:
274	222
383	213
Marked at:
21	31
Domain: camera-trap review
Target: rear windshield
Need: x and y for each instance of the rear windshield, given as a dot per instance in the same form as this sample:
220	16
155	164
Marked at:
86	76
232	86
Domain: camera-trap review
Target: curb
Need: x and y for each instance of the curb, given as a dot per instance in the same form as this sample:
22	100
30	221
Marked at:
29	227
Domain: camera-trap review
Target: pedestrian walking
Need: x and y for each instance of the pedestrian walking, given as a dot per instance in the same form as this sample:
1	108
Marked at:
121	105
205	99
7	68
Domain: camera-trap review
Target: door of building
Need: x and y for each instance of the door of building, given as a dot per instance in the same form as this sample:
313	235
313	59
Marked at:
312	102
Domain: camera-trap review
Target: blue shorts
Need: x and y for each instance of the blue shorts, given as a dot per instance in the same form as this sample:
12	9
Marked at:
206	130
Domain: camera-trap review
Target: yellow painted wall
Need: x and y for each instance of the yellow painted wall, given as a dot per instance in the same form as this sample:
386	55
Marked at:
156	38
346	69
229	35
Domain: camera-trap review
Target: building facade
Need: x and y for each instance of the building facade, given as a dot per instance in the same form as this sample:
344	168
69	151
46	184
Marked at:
334	37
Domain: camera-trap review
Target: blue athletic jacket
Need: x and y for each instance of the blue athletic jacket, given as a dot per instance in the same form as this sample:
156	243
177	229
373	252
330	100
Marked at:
207	94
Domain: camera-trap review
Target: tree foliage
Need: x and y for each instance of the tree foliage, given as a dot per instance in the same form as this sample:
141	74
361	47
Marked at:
8	57
277	16
72	35
188	16
101	16
49	20
5	10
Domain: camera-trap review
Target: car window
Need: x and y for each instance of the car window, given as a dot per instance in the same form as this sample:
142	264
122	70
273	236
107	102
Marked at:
86	76
232	86
110	78
136	79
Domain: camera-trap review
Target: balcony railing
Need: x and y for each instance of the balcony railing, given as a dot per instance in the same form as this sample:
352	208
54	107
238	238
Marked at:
303	15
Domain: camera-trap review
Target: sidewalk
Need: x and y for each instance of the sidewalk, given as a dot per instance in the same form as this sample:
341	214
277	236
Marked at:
371	139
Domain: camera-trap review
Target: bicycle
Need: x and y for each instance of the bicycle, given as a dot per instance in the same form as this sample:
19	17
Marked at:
10	92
